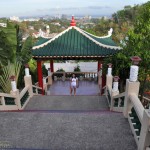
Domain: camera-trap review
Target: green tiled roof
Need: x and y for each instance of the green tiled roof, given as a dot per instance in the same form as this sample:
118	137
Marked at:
106	40
41	40
73	42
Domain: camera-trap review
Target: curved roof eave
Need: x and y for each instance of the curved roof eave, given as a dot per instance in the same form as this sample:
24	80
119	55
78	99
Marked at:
83	33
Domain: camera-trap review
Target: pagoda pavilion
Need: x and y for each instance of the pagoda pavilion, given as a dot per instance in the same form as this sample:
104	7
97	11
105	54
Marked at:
73	44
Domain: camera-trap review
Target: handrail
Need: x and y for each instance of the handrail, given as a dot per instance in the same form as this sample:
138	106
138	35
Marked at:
109	90
46	77
119	95
137	106
7	95
104	87
24	91
145	98
36	87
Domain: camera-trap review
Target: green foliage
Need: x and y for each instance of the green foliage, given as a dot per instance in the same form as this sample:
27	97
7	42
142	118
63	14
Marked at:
8	42
5	48
44	71
77	69
7	72
25	53
136	44
12	49
60	70
33	70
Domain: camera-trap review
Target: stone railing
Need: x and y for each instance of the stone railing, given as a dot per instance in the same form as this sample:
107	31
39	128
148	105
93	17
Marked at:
137	112
135	116
114	98
117	102
24	97
139	120
17	100
146	102
8	102
37	90
81	75
108	95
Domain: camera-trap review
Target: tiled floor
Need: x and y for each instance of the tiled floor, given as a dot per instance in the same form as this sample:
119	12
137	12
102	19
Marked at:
63	88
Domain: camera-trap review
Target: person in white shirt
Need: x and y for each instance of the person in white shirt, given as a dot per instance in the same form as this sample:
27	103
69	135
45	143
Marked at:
73	84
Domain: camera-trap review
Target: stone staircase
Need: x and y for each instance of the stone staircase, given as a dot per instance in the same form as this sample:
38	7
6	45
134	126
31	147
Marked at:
66	103
66	122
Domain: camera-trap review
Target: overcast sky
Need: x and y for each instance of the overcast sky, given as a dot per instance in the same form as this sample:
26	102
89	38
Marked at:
53	7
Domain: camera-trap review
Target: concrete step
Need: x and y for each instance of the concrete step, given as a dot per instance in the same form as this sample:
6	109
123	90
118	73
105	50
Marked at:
82	103
73	131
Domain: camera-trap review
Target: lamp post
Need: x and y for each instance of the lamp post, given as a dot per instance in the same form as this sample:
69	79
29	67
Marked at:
109	73
27	70
13	83
134	69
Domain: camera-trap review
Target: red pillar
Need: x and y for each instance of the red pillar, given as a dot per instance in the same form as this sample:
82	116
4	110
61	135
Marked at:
52	65
40	75
99	66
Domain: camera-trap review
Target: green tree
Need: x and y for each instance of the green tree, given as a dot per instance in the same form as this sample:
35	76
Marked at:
136	44
139	42
5	48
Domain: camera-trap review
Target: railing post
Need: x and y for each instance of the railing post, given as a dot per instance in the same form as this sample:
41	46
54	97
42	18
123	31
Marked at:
15	92
100	80
132	85
109	78
17	100
28	80
64	76
144	141
50	81
3	101
44	84
115	91
13	84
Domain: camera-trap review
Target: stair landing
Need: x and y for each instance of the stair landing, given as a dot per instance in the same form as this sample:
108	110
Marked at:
63	88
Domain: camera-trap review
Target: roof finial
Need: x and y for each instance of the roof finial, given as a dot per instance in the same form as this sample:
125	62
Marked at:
73	22
110	32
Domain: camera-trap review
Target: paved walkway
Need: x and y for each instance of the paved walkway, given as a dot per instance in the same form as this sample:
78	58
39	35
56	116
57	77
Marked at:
63	88
82	103
65	131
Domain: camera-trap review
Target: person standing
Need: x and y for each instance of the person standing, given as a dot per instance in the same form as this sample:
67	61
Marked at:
73	84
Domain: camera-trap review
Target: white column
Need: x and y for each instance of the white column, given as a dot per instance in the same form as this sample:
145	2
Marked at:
27	72
115	86
13	86
109	73
133	73
49	72
44	80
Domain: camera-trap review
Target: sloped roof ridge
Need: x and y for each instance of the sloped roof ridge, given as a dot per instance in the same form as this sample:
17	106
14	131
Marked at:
44	37
98	43
49	41
100	37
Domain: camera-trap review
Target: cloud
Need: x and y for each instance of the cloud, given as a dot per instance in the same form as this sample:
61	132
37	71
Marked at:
99	7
